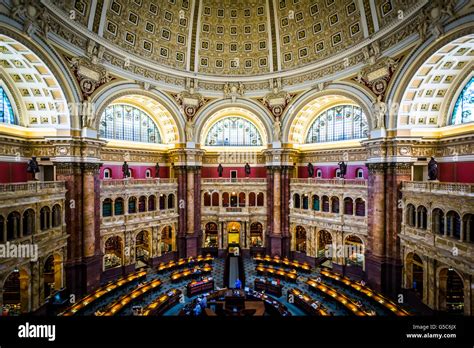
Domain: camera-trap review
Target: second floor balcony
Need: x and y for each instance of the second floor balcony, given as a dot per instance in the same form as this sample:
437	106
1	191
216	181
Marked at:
439	188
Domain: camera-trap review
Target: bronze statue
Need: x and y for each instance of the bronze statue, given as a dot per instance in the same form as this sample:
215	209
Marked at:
342	169
247	169
220	169
157	170
432	169
32	167
310	170
125	170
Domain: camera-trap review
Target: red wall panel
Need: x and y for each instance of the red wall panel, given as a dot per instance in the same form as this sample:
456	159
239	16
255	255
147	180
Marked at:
255	172
138	172
13	172
329	171
456	172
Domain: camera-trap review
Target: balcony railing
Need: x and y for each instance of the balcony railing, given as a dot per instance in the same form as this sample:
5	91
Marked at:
137	182
439	187
331	182
234	180
32	186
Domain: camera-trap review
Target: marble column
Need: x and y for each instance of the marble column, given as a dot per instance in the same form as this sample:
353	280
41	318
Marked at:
277	202
375	255
269	201
92	258
197	210
82	215
383	263
274	192
71	174
396	174
181	238
285	209
191	206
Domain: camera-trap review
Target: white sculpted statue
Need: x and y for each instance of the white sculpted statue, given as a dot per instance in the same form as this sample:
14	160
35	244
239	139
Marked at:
189	130
380	110
276	129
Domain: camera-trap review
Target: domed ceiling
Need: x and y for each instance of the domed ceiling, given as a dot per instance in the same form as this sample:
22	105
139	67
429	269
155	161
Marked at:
236	37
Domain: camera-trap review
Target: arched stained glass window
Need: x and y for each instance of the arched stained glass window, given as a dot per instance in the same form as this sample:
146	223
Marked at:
463	111
6	110
233	131
342	122
126	122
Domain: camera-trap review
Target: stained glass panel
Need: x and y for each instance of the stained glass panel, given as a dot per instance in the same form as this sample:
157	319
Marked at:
233	131
6	110
342	122
126	122
464	108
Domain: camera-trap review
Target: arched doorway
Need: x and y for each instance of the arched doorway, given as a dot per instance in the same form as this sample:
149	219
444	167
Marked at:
166	243
300	239
211	235
142	249
324	243
256	235
451	291
417	275
233	233
113	253
414	274
354	252
15	292
52	275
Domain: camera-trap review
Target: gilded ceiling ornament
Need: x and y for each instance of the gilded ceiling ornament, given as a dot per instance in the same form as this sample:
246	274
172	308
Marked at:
371	52
277	100
233	90
90	76
33	15
320	86
190	101
432	19
376	77
95	51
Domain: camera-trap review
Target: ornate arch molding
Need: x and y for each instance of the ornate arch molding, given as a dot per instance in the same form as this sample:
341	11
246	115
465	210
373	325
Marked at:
15	98
347	90
107	96
210	109
50	58
455	30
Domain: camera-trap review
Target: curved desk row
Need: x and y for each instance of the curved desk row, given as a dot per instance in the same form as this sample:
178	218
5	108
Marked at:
106	289
190	272
278	273
369	293
199	286
272	287
267	259
118	305
329	292
163	302
306	303
171	265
